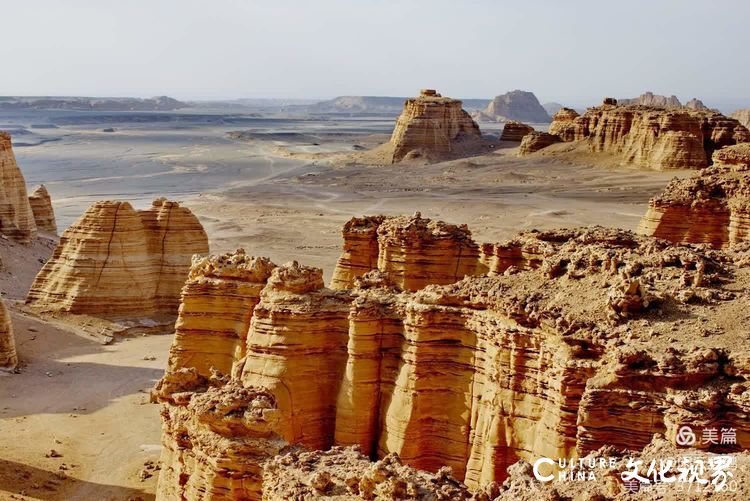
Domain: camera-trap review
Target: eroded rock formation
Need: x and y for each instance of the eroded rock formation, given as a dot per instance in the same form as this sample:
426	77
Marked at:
117	261
651	137
515	105
535	141
44	214
16	217
8	357
515	131
570	341
413	251
432	127
711	207
743	116
653	100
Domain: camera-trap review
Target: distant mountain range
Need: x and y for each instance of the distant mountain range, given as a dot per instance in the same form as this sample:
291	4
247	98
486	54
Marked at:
369	105
160	103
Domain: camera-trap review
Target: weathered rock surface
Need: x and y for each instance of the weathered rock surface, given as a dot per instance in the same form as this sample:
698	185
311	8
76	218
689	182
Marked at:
653	100
711	207
573	340
515	105
608	484
346	474
119	262
412	252
44	214
16	217
218	300
8	357
696	104
650	137
743	116
432	127
535	141
515	131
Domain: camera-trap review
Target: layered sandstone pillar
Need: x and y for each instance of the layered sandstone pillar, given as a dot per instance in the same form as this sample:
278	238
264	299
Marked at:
44	214
16	216
8	357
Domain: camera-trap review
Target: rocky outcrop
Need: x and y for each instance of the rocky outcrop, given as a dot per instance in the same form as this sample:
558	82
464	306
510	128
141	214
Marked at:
696	104
412	252
650	137
116	261
432	127
711	207
535	141
653	100
16	217
345	473
44	214
218	300
743	116
515	105
515	131
572	340
8	357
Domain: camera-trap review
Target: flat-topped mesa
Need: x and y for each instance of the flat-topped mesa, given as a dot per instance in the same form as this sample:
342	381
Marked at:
218	300
412	252
654	100
44	214
16	216
651	137
577	339
515	131
432	127
8	357
118	262
515	105
710	207
535	141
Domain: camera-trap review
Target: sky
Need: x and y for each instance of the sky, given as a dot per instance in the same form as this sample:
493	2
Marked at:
573	52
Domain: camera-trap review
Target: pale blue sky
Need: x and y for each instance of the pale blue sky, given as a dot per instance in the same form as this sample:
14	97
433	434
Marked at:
568	51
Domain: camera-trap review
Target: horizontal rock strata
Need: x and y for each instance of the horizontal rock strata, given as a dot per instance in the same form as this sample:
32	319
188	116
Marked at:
432	127
650	137
515	131
413	252
8	357
573	340
535	141
711	207
16	216
44	214
116	261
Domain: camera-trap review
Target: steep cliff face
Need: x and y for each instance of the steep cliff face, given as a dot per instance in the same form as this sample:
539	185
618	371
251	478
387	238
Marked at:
743	116
116	261
650	137
413	251
515	131
16	217
432	127
650	99
575	339
44	214
218	300
8	357
515	105
711	207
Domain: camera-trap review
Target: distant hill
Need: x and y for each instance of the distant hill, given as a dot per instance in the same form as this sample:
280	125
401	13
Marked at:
369	105
514	105
160	103
552	108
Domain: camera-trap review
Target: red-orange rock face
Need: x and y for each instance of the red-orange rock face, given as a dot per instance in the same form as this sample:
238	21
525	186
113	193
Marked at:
711	207
536	141
654	138
573	340
432	127
16	216
515	131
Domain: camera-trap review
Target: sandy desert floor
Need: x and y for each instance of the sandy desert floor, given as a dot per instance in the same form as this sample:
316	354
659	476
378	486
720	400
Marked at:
273	193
